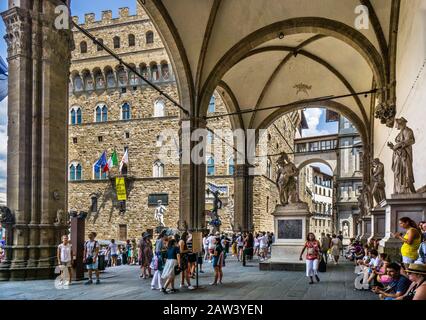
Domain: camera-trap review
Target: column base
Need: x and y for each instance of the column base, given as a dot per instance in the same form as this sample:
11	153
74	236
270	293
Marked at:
22	274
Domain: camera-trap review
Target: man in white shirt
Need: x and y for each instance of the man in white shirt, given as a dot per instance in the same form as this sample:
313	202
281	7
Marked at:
263	244
113	249
91	252
65	257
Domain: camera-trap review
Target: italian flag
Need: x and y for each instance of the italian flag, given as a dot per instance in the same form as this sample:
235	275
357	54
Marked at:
112	162
124	160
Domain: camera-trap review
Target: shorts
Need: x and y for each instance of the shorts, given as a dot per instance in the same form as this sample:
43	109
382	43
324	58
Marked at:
93	266
407	260
66	264
114	255
192	257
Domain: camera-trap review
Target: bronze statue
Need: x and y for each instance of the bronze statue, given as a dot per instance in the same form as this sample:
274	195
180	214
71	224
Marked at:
287	180
378	179
402	161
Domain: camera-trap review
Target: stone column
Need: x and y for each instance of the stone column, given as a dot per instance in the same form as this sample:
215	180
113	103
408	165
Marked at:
243	198
192	180
39	59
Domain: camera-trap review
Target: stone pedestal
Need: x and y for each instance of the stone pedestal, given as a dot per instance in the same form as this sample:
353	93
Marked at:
291	226
377	223
397	207
365	229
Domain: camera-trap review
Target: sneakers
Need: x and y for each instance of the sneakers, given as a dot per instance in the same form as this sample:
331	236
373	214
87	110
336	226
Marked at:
201	271
152	288
316	277
98	281
164	291
88	282
213	284
191	288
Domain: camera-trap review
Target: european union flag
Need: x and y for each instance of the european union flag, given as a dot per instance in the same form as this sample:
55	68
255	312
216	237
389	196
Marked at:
3	79
101	163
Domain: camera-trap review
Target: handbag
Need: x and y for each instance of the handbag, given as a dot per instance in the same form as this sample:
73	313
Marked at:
322	266
177	270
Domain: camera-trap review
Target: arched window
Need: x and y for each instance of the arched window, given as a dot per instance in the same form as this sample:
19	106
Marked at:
134	79
149	37
98	174
159	109
158	169
132	41
75	115
155	75
268	169
125	111
78	83
212	104
165	73
231	166
75	172
83	47
210	166
122	77
144	70
101	113
116	41
88	81
110	79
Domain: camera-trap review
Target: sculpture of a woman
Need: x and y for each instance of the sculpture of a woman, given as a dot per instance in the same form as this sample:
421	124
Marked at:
402	161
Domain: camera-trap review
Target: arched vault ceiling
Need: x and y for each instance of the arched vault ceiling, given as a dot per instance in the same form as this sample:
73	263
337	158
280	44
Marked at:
344	59
248	78
213	35
282	90
245	17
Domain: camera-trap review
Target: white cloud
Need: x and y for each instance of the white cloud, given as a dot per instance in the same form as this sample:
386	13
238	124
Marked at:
313	119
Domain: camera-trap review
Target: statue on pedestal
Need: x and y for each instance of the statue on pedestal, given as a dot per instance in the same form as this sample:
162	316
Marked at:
159	213
378	179
217	204
402	161
287	180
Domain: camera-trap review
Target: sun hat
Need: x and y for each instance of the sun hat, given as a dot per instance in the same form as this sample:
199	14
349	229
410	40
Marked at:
416	268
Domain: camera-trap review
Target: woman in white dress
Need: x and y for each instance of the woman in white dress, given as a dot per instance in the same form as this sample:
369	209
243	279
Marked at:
336	245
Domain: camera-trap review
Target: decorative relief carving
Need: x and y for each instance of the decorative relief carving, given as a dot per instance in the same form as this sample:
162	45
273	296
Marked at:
18	34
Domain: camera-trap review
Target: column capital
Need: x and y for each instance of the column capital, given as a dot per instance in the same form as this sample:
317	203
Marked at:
18	35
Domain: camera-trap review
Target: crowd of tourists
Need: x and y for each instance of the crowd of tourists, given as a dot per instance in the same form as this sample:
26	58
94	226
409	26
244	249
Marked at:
393	279
167	257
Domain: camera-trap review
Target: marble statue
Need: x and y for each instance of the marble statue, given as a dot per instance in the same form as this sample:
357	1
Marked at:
62	217
230	208
287	180
378	181
345	230
159	213
367	200
402	161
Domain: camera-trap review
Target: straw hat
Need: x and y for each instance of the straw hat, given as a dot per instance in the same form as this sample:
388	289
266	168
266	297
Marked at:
416	268
401	120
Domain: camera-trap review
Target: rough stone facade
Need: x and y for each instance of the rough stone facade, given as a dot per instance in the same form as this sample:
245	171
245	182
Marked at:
147	136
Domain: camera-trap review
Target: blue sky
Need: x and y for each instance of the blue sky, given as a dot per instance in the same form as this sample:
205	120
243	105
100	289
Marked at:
317	124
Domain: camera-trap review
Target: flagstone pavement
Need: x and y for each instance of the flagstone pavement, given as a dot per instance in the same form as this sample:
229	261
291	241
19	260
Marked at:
240	283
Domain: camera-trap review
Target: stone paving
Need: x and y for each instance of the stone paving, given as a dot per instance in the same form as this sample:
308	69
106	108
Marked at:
240	283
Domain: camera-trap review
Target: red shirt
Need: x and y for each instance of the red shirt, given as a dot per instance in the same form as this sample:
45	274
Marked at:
312	250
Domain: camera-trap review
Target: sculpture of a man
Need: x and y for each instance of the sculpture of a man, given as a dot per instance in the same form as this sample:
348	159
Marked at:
217	204
367	200
287	180
402	161
378	180
345	230
159	213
